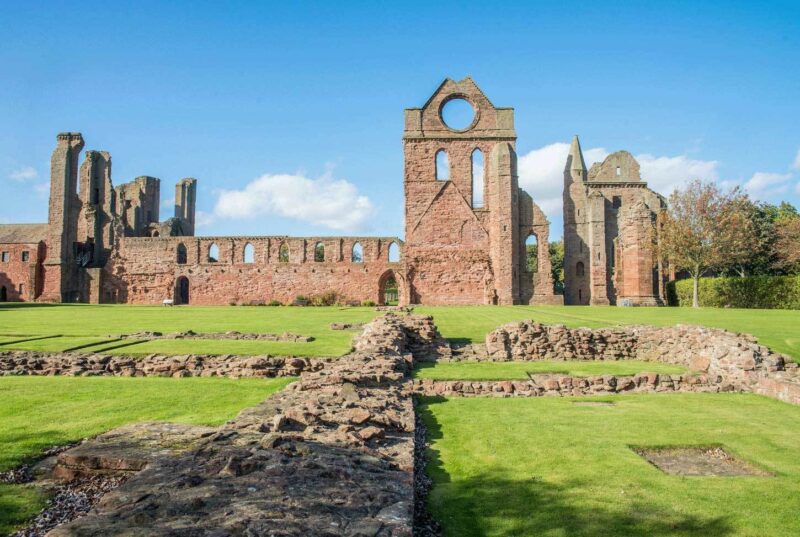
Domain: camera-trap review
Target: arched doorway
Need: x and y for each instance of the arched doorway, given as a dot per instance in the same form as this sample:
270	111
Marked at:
389	291
3	294
182	290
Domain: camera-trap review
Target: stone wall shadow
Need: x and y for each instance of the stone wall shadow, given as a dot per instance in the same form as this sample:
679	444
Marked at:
536	507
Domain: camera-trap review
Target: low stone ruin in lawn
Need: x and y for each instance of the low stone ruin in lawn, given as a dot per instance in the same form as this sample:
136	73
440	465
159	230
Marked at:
335	452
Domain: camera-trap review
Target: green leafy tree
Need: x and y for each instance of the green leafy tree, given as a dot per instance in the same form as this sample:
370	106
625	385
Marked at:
557	262
705	229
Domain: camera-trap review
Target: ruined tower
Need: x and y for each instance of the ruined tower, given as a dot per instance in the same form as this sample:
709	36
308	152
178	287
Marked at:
609	233
463	227
185	196
97	205
62	219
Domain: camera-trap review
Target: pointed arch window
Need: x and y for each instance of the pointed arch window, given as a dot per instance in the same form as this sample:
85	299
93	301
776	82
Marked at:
213	253
180	254
394	253
477	179
283	253
319	252
357	254
579	270
442	166
249	254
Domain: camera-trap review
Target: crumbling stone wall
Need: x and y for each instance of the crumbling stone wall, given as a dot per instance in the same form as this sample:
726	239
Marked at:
731	361
20	279
147	271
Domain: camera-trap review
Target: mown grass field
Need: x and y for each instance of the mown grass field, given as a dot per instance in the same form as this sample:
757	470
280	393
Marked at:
40	412
778	329
520	370
548	467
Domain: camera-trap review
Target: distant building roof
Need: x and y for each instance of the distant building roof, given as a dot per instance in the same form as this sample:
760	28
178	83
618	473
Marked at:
22	233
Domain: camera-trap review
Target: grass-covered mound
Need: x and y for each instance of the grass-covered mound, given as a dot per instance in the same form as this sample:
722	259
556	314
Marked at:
546	466
40	412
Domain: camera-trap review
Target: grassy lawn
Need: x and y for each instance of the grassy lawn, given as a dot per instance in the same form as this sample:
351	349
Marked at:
777	329
40	412
544	466
520	370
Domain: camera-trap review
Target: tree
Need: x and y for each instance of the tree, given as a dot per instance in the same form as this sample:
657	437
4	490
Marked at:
705	228
787	243
760	258
557	264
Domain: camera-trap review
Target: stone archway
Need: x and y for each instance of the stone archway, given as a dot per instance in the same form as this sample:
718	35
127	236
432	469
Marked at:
182	290
390	292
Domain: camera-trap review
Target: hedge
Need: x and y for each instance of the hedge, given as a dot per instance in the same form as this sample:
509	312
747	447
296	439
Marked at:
770	292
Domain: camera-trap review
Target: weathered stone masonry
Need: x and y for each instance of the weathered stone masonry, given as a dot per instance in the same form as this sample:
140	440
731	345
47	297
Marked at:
466	227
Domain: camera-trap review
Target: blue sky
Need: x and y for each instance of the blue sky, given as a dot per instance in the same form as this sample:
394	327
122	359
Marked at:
290	114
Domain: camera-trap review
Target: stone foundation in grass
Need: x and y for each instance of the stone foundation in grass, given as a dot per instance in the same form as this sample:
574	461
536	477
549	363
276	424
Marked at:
566	385
732	361
332	454
154	365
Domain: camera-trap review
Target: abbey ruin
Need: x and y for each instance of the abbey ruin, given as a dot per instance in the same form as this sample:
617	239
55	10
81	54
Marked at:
466	226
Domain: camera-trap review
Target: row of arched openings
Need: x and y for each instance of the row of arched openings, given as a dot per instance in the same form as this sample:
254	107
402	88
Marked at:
248	255
443	174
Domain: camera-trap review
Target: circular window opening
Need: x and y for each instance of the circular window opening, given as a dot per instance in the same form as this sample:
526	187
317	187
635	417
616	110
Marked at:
458	114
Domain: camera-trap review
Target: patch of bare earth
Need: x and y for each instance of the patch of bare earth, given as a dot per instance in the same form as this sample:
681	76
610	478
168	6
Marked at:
699	461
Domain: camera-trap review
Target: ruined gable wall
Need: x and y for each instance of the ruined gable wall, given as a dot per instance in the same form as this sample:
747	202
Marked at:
145	270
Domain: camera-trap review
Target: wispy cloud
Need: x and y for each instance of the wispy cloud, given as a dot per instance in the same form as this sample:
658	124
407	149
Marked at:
765	184
333	203
25	173
42	189
203	219
796	163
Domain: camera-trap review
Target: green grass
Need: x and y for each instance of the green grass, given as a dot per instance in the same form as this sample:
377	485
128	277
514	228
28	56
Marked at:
777	329
520	370
55	344
40	412
544	466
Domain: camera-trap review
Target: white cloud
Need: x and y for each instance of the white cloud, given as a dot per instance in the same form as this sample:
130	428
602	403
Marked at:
796	164
26	173
541	172
333	203
797	187
764	184
203	219
42	189
665	174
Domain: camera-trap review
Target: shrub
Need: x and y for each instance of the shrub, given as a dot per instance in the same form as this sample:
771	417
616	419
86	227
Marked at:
368	303
769	292
274	303
300	300
328	298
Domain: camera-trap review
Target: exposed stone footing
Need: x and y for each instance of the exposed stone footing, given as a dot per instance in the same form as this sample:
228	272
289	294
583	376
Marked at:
154	365
565	385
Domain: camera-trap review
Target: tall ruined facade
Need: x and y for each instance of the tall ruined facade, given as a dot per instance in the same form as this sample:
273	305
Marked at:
467	223
610	233
466	219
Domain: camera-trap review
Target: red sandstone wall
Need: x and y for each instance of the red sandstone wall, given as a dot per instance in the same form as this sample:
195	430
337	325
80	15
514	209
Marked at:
145	270
16	273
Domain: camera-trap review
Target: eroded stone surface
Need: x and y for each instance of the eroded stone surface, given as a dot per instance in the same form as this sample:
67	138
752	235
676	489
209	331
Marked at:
333	454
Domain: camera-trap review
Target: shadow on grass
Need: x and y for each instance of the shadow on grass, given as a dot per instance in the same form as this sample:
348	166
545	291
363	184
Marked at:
485	504
18	503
